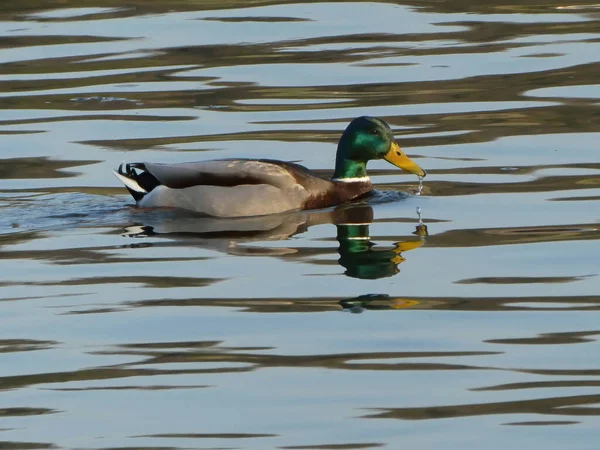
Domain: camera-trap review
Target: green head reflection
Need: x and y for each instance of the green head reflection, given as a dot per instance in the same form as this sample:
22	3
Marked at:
360	257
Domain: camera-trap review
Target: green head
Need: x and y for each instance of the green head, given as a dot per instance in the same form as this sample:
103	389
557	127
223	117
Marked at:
368	138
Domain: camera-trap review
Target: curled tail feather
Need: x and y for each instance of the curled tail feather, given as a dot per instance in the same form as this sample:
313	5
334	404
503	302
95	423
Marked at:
136	179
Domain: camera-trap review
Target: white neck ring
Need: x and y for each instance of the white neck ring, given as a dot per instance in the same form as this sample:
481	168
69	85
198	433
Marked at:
352	180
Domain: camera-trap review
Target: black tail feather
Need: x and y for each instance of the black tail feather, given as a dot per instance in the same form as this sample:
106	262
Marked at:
138	173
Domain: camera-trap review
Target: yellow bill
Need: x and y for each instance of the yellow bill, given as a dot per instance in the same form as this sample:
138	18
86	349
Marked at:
398	158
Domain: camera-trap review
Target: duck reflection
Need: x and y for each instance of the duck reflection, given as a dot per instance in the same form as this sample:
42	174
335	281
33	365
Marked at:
375	302
360	257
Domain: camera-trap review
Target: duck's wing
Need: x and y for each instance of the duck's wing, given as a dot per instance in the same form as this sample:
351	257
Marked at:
233	172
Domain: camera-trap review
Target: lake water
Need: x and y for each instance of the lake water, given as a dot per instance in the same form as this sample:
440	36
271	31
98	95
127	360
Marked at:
350	328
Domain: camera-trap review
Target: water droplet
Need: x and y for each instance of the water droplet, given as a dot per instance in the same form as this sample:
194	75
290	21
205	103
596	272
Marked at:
420	186
419	214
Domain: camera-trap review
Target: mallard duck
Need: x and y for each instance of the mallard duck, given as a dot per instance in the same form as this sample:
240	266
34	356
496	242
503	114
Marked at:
247	187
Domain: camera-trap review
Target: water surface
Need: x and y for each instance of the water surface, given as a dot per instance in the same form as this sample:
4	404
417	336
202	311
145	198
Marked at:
346	328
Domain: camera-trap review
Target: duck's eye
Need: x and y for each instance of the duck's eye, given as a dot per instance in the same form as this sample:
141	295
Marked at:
375	131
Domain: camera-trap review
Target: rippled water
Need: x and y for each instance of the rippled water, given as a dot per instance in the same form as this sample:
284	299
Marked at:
354	327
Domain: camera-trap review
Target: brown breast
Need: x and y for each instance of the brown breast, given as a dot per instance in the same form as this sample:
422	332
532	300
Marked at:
337	193
324	192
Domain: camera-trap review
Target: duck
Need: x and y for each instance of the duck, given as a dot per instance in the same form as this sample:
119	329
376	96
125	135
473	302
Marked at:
256	187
